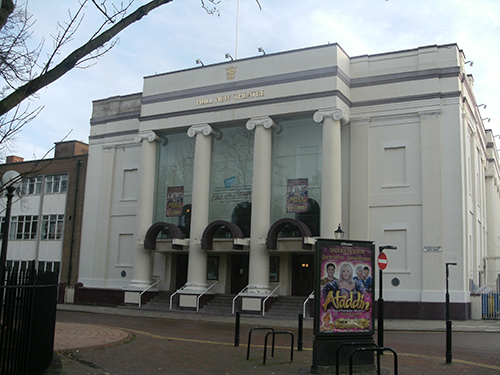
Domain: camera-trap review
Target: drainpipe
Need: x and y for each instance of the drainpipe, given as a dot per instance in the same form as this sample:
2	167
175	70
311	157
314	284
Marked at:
70	266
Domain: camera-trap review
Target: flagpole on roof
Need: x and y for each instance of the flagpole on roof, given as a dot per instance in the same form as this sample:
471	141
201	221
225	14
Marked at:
237	28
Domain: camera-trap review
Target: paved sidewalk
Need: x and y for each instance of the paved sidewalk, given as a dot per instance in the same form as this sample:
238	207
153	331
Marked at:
95	340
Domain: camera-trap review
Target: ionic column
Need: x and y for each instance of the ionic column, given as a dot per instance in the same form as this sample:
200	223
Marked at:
145	207
197	266
261	203
331	182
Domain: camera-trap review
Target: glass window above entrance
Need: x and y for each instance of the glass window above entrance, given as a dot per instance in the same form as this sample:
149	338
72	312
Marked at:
174	181
296	173
231	175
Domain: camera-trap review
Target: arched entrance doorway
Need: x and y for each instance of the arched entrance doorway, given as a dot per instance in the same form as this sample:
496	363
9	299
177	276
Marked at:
302	264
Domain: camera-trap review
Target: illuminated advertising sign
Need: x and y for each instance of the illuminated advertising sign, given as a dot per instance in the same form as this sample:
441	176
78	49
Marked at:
344	287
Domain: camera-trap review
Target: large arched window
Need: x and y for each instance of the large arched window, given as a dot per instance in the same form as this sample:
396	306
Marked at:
185	220
241	216
184	224
311	218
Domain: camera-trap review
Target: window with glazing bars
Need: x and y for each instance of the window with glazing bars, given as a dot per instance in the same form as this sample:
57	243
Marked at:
52	227
56	184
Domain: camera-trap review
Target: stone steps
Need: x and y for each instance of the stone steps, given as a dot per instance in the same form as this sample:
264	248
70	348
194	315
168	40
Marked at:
221	304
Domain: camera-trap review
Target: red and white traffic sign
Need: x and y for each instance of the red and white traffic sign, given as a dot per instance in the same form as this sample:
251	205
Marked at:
382	261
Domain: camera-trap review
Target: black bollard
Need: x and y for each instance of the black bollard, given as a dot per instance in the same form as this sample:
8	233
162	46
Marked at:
449	353
300	339
237	330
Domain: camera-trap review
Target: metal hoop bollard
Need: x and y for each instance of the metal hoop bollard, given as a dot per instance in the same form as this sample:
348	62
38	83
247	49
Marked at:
337	365
274	333
250	337
378	350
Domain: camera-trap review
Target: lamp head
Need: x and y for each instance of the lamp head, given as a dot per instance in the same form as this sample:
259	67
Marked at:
11	179
339	233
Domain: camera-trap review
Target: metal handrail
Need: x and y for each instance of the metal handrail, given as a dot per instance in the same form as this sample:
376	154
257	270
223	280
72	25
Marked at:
265	299
311	296
178	290
240	293
199	296
145	290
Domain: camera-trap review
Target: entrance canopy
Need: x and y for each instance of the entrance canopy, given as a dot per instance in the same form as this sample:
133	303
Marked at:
278	226
213	227
152	233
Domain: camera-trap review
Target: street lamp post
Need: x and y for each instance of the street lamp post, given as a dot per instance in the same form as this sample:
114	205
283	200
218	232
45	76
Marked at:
10	180
380	323
448	319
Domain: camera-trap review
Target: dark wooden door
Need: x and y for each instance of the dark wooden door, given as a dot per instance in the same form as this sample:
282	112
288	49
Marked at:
181	270
302	274
239	272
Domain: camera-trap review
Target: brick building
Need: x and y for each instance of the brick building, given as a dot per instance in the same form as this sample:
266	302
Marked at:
45	224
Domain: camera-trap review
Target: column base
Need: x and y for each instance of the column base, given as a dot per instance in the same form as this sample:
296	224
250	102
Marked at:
252	300
138	285
188	296
132	295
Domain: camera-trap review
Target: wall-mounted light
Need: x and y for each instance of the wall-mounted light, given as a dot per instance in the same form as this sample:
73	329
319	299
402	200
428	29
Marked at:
469	62
486	119
228	56
339	233
199	62
261	50
482	105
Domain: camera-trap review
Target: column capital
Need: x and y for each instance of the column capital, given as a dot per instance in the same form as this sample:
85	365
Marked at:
335	113
205	129
265	121
151	136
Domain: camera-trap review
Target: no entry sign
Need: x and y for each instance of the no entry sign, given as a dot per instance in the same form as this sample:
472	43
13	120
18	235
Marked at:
382	261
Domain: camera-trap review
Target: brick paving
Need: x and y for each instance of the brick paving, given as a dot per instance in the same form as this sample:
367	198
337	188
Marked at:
123	342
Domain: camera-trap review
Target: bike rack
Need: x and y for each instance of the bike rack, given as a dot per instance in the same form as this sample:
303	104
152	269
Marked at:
274	333
250	337
378	350
337	365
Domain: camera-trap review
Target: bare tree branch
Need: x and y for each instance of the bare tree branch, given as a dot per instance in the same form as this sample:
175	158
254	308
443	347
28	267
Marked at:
31	87
103	11
6	9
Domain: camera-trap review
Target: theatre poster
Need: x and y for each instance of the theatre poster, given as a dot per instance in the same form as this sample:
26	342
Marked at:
344	284
175	199
297	195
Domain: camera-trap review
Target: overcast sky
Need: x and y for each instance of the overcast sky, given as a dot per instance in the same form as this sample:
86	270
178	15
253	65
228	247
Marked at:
174	36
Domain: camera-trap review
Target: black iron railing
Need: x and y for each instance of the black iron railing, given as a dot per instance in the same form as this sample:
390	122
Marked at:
27	321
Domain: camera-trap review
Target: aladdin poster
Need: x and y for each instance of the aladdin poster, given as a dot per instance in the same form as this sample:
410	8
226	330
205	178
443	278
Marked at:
345	271
175	197
297	196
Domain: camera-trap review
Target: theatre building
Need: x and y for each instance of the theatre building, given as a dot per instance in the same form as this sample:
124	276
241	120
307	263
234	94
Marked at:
218	179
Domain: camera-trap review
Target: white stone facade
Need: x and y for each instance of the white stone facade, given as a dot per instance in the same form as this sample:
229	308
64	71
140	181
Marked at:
392	145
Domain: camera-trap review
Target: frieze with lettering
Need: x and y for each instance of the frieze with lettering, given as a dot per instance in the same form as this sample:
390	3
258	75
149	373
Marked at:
230	98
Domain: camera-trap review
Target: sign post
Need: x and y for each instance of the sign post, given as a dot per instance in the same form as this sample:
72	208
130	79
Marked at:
343	310
382	263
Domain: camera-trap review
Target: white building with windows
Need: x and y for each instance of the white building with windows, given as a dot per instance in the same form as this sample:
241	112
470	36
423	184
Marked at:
46	211
221	177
